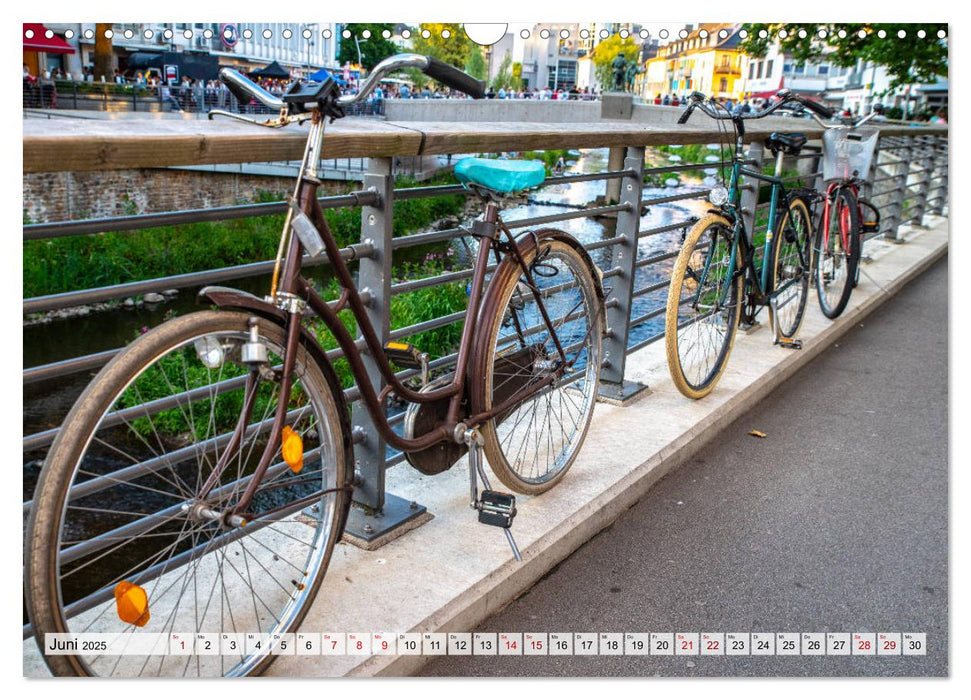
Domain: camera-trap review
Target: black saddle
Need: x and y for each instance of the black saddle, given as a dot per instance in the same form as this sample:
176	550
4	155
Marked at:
790	144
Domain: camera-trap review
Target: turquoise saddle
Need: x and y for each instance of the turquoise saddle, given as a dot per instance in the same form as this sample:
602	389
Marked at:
503	176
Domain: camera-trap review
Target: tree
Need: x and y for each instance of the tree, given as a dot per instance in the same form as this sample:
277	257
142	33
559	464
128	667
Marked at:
475	64
504	77
452	48
455	48
606	51
907	60
102	52
374	49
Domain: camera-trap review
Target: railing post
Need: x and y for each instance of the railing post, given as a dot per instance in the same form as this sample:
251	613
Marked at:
615	161
371	526
613	387
925	157
750	189
899	191
940	168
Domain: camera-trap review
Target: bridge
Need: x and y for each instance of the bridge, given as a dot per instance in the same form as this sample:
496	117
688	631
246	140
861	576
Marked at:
908	182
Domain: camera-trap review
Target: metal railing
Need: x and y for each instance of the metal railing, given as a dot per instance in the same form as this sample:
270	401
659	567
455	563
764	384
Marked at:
635	255
142	97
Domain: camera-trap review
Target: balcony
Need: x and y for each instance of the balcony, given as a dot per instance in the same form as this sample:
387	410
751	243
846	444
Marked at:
733	71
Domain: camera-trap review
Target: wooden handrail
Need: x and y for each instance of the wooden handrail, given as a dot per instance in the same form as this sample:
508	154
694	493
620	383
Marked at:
64	144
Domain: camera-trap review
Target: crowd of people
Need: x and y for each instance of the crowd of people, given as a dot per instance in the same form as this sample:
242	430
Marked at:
189	94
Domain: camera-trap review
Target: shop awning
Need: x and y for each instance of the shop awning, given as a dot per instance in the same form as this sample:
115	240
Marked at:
39	38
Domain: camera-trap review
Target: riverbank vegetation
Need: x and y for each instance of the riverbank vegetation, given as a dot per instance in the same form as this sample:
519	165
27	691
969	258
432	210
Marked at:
81	262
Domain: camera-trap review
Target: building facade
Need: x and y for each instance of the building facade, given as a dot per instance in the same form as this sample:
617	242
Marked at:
707	60
245	46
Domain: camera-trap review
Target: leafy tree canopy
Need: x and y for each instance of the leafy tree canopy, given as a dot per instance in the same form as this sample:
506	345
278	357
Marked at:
907	60
607	50
504	76
455	49
373	49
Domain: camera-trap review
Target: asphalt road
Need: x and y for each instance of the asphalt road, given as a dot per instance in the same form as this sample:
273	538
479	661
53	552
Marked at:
834	522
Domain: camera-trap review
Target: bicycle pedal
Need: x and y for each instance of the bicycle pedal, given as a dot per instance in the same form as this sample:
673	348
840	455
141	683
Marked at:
791	343
496	508
404	355
870	227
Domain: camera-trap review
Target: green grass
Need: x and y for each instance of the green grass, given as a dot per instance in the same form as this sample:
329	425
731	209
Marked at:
82	262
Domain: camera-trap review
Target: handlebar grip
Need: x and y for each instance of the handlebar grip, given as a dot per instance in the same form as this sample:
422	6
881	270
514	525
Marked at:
686	113
455	78
824	112
246	90
239	92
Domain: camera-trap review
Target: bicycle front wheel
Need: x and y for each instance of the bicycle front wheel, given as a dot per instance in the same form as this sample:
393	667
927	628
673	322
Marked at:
791	265
704	304
837	254
531	445
120	541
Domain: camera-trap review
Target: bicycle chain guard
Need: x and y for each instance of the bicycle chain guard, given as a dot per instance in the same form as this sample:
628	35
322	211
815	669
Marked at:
420	418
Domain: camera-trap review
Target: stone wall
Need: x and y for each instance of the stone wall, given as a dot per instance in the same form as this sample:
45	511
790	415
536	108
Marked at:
88	195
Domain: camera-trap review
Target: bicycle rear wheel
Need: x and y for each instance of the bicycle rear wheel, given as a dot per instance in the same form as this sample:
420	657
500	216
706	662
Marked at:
836	266
791	265
531	446
118	542
704	304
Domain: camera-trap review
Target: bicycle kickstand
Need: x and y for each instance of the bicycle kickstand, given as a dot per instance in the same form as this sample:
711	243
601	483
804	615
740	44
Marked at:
495	508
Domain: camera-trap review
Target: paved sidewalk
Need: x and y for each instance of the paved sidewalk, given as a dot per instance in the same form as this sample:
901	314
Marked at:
835	522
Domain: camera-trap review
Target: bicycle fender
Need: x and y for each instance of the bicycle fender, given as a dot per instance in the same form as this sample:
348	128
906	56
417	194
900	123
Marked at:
528	242
509	268
236	300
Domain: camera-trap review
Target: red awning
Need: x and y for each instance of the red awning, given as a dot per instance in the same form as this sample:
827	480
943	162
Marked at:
37	37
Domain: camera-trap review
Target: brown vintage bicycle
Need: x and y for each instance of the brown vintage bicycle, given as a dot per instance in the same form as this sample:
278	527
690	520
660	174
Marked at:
203	478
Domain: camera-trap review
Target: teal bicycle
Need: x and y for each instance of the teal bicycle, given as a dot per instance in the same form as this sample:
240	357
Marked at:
717	284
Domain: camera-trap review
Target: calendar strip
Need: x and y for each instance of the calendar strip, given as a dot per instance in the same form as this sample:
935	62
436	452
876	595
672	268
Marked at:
876	644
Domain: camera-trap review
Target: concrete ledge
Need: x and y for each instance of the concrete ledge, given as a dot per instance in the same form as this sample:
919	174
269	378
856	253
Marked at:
452	573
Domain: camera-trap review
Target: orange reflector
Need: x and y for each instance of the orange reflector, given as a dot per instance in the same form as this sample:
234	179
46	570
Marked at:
292	449
132	603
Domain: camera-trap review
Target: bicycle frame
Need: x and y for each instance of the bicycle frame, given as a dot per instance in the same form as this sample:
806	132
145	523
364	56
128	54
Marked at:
832	192
288	298
740	235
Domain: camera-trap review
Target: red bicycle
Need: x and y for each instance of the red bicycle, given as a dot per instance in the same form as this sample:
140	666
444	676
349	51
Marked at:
846	217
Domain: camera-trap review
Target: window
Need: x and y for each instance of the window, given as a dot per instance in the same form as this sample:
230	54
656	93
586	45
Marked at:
823	69
751	70
723	85
768	68
761	66
801	68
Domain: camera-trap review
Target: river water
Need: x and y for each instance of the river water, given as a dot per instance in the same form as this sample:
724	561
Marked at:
46	403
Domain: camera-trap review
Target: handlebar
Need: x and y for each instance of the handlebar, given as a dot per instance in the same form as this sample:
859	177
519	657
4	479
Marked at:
245	89
785	97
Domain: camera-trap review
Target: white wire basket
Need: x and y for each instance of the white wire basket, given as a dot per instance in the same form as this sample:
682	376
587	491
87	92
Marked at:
847	153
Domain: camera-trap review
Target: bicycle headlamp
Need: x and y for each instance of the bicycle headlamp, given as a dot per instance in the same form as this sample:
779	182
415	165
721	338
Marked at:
718	195
210	352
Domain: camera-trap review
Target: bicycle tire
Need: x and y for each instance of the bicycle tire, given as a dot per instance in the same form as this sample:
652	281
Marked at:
299	543
532	445
711	236
835	269
792	255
